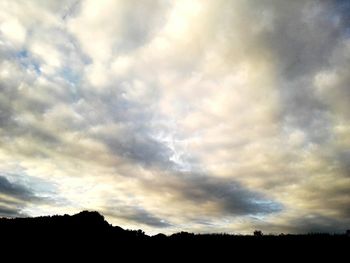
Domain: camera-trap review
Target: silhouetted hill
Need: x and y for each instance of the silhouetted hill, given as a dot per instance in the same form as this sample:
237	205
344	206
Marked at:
89	230
82	226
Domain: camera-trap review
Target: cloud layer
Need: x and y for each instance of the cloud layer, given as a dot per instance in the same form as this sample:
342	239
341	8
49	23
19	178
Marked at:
198	115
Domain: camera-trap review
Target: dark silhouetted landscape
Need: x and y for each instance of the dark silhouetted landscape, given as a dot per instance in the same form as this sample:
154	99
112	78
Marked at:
89	230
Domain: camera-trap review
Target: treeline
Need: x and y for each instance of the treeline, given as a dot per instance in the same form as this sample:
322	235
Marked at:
90	228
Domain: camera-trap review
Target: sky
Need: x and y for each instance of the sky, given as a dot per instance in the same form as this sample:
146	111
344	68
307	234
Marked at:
187	115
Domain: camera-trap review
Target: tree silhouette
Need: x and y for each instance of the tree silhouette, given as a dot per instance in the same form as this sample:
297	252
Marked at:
258	233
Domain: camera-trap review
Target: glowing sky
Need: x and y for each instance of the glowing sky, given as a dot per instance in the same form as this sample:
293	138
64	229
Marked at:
195	115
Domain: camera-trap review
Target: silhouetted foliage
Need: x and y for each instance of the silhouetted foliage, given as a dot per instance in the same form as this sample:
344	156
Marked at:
258	233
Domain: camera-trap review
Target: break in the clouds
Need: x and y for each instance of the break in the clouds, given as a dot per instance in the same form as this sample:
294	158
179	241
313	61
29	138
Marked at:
208	115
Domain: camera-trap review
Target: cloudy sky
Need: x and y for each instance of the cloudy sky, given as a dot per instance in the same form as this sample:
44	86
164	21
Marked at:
195	115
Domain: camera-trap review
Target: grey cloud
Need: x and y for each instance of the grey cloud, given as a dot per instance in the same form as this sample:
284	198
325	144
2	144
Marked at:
343	10
10	207
55	6
302	41
228	196
302	110
134	138
15	190
139	147
303	35
332	84
135	22
137	215
21	195
303	224
315	223
136	30
112	105
10	212
24	101
18	191
232	197
335	197
136	143
299	41
343	156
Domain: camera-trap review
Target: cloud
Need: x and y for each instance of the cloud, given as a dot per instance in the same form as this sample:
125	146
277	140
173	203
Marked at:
214	196
14	31
317	224
227	112
20	193
10	212
136	215
13	197
309	223
14	190
134	23
134	142
233	198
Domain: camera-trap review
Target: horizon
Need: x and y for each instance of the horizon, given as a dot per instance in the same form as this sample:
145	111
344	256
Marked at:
189	115
256	232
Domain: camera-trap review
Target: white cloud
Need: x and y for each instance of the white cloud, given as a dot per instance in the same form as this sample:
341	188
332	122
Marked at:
14	31
49	55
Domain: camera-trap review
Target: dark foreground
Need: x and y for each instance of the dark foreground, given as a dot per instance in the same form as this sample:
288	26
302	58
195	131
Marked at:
89	233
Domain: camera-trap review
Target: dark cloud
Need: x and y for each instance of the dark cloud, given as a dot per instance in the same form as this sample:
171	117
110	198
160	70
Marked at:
309	223
137	215
343	10
10	211
13	198
316	223
232	197
10	207
227	195
15	190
